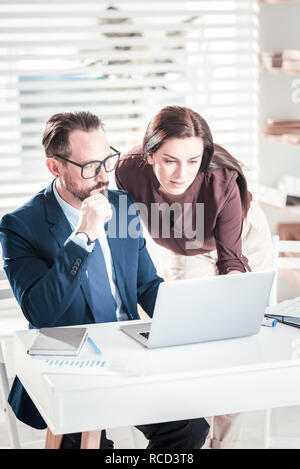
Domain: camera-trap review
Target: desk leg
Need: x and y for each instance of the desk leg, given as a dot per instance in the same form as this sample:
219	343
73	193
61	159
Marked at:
53	441
90	440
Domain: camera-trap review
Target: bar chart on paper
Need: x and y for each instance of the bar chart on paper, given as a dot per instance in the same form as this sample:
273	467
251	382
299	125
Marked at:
82	366
74	366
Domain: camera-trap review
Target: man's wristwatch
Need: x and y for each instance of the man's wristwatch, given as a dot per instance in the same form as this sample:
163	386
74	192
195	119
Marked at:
85	237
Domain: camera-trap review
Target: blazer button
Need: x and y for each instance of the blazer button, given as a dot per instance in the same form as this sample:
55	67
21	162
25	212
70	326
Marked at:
73	271
78	261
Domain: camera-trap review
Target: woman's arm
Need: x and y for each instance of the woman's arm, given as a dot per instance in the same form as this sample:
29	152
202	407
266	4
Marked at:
228	232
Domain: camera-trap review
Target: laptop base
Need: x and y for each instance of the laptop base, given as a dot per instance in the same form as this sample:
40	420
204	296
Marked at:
136	330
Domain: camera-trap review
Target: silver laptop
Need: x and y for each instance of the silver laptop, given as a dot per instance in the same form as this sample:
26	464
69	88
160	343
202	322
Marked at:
205	309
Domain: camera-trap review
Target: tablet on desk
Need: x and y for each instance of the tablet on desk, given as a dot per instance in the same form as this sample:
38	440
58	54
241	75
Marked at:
58	341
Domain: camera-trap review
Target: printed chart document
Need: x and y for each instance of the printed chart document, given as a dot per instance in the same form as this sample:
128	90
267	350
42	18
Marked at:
87	362
71	350
84	365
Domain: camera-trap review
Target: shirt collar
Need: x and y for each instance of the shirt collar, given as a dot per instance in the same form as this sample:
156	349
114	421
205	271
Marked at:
71	213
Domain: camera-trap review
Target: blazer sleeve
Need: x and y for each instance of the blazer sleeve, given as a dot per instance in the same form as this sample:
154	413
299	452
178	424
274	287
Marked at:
43	291
228	232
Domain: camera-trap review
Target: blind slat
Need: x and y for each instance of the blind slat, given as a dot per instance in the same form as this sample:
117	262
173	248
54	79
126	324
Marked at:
153	55
89	43
208	5
239	78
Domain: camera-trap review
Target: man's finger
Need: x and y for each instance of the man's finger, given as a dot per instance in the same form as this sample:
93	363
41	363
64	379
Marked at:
96	197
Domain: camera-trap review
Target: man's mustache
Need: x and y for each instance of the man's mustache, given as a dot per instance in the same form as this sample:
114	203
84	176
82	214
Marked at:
101	186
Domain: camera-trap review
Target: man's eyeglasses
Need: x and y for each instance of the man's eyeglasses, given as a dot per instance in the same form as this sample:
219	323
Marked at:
91	168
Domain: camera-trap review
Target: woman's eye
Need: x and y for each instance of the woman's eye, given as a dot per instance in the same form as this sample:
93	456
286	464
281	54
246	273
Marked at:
190	162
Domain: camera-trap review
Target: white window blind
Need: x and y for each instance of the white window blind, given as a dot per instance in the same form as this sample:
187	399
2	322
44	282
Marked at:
123	60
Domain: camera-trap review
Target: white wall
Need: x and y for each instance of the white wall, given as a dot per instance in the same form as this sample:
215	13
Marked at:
279	29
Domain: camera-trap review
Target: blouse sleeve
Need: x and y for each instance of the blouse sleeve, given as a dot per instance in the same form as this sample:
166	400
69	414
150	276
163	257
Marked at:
118	178
228	233
127	171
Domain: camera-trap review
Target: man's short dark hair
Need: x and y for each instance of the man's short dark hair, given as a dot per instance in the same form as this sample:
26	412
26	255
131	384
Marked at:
58	127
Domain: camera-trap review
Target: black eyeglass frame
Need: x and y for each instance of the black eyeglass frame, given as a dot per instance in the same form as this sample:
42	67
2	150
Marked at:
117	153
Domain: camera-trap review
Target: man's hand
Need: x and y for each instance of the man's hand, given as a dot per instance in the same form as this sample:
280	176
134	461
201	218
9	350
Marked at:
95	211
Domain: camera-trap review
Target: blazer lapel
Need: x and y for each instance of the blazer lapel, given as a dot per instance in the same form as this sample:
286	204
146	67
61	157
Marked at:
59	226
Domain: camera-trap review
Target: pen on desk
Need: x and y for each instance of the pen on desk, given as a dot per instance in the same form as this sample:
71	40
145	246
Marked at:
94	346
269	322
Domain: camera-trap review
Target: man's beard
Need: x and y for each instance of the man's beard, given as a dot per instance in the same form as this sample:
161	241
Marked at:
81	195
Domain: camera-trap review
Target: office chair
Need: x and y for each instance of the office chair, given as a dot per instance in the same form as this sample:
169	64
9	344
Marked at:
280	263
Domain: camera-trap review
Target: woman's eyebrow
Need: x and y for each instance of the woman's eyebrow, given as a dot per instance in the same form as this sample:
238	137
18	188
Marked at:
175	158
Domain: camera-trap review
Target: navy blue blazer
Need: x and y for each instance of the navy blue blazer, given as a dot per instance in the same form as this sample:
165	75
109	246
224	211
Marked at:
39	262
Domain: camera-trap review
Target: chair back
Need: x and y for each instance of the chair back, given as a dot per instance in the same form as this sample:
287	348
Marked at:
292	261
1	355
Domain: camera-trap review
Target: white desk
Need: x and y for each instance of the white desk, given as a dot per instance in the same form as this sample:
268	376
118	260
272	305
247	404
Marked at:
173	383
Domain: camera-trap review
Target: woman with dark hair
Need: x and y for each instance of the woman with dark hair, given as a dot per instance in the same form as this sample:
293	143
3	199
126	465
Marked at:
194	201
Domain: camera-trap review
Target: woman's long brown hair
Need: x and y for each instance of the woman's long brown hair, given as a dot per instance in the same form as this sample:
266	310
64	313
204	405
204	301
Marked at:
182	122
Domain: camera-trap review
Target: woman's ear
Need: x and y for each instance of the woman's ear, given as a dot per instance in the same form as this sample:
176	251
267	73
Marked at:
150	158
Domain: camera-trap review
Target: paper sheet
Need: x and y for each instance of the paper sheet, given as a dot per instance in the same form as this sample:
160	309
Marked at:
286	308
85	366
